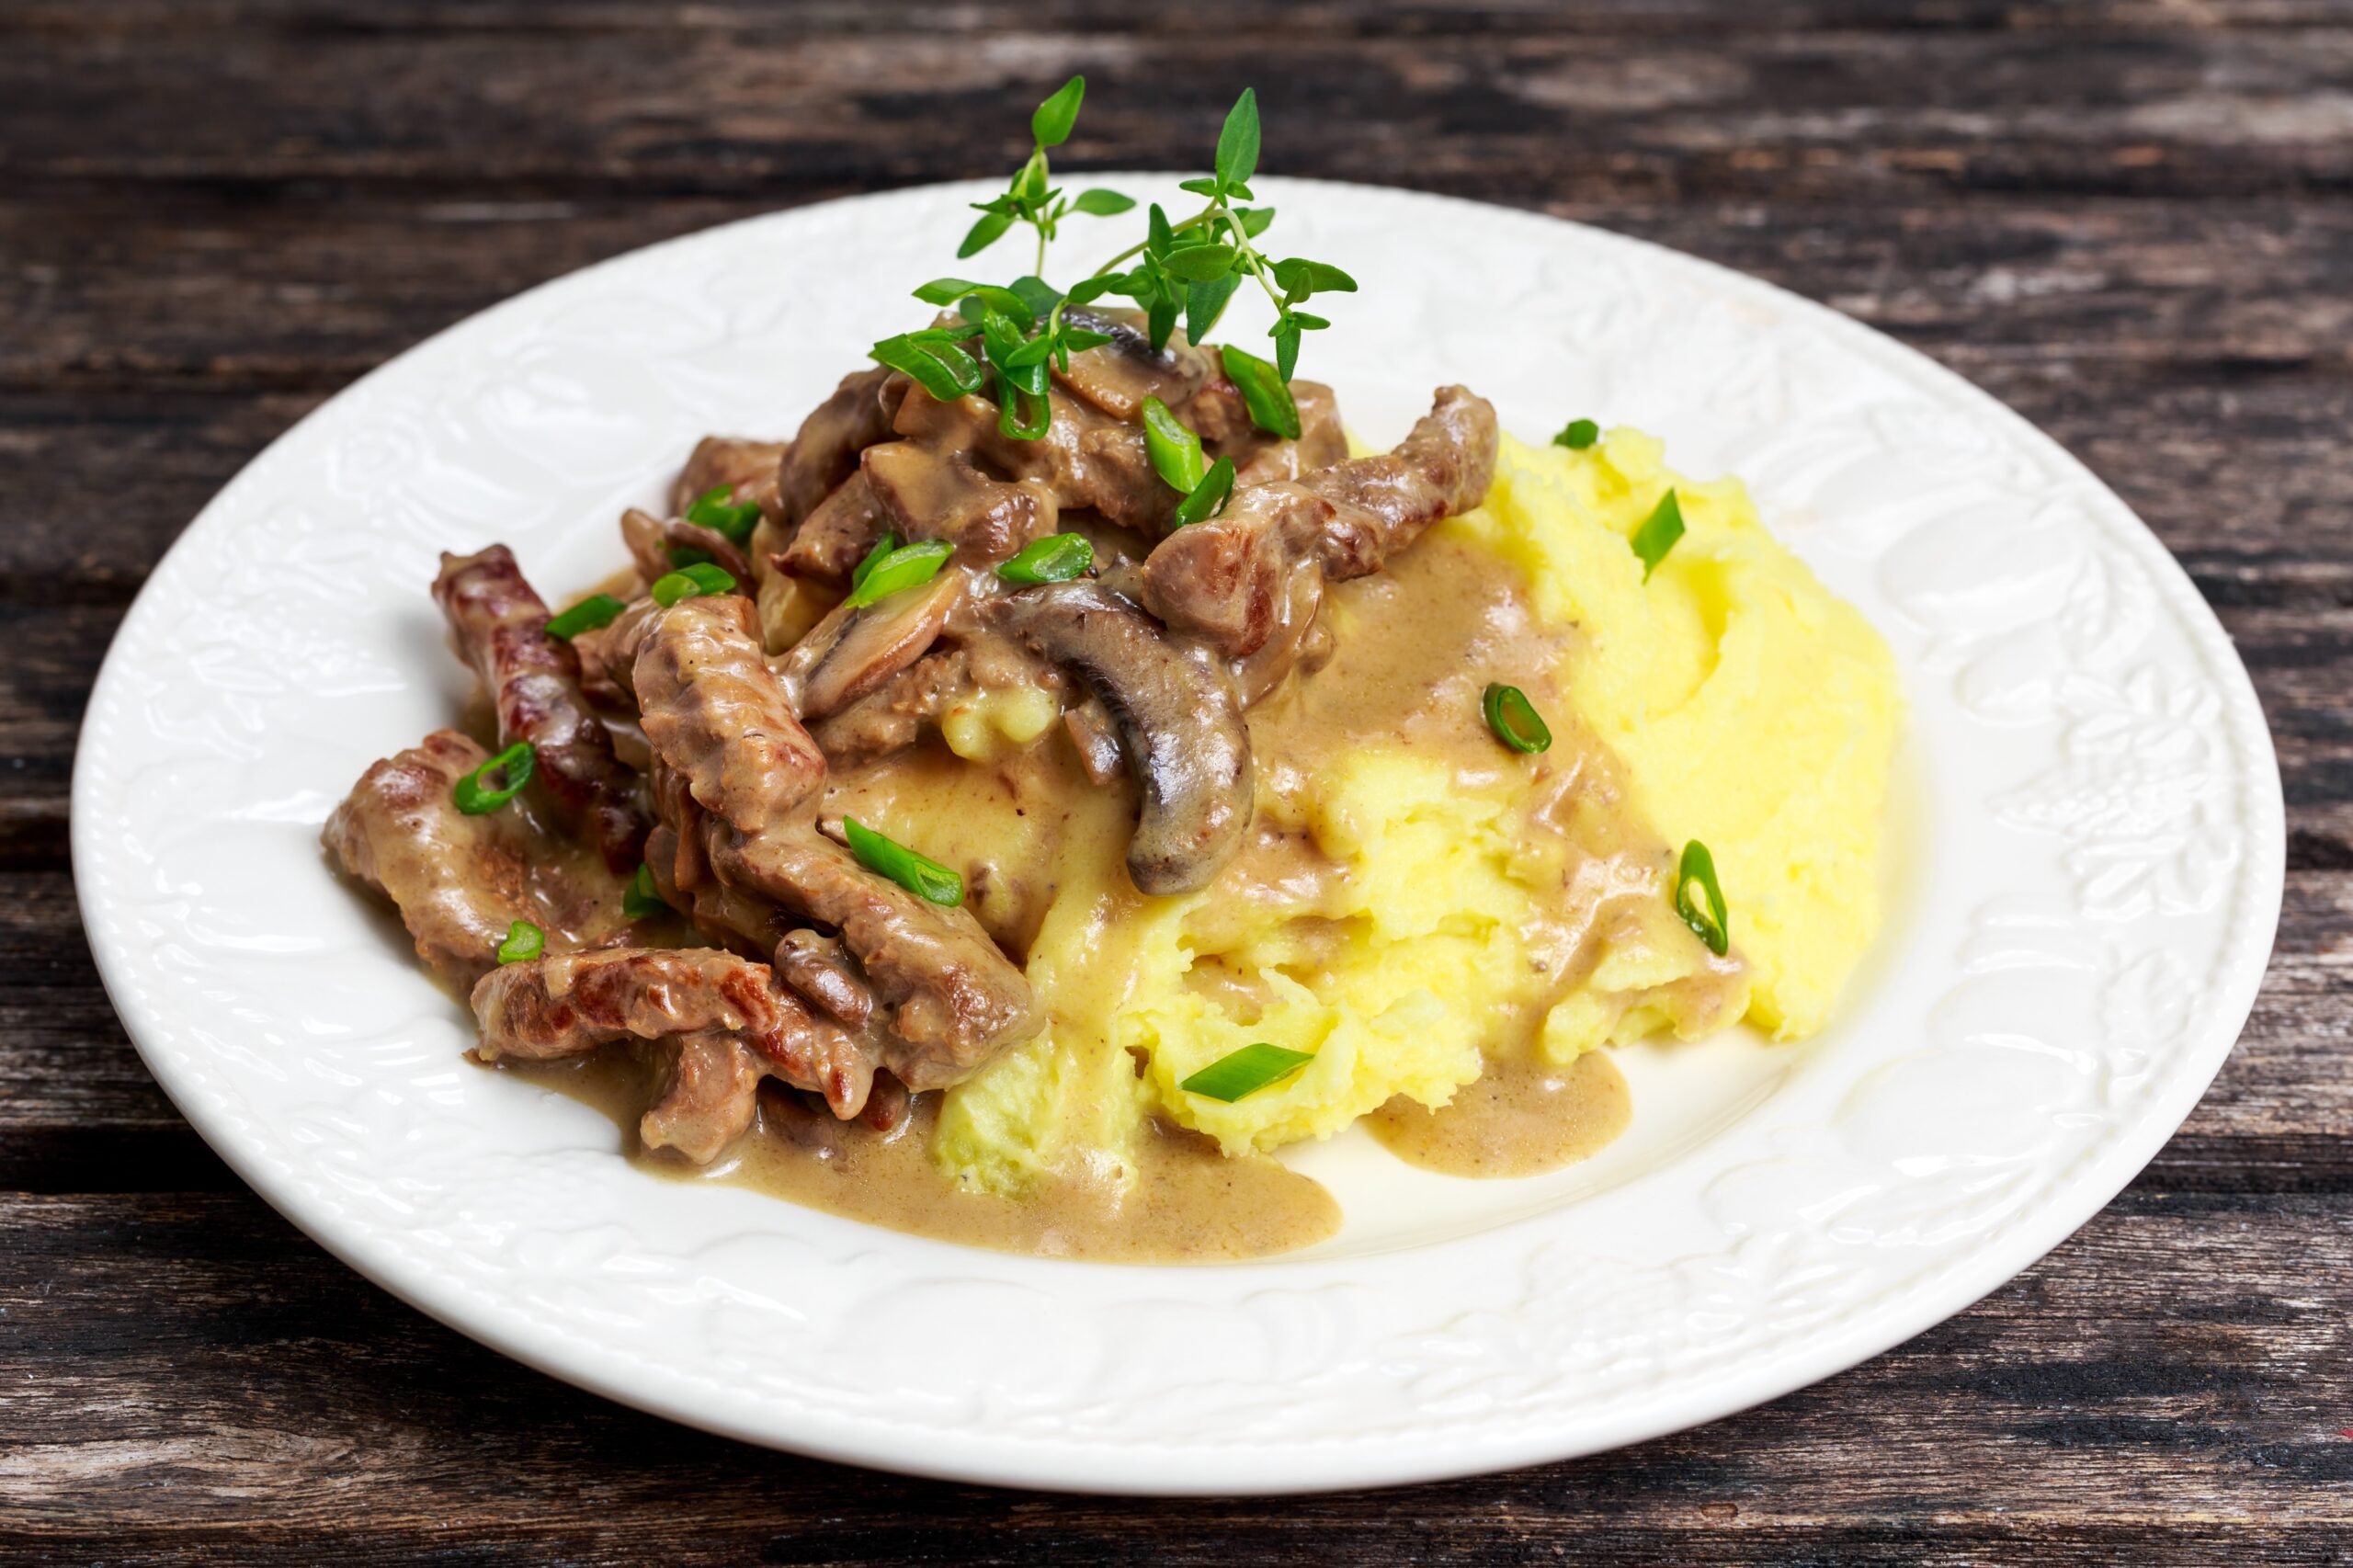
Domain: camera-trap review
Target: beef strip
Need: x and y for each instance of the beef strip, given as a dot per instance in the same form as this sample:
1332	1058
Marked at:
722	1004
1231	580
837	534
500	626
825	450
461	882
747	467
717	716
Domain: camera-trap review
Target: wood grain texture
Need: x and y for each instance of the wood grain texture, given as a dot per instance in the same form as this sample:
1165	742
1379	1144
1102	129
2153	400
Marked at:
2133	221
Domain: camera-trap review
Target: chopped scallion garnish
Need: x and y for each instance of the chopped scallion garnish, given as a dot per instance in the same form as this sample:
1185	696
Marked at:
1658	533
1057	558
1240	1073
925	879
477	796
685	555
883	547
1713	924
732	521
641	898
1176	451
1263	392
906	567
1514	719
594	612
691	582
1577	435
524	940
1208	498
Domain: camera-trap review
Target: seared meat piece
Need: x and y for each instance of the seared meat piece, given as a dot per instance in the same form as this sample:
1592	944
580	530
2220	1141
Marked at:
837	534
1086	459
501	628
679	534
1230	580
714	711
923	492
891	718
821	970
718	717
950	999
1260	458
826	449
553	1007
460	881
745	467
647	542
1178	719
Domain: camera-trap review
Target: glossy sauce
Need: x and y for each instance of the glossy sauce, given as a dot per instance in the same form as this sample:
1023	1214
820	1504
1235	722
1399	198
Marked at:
1521	1117
1413	649
1188	1203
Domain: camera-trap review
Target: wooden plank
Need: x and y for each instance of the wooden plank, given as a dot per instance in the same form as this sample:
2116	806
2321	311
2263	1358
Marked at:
2103	1401
1699	112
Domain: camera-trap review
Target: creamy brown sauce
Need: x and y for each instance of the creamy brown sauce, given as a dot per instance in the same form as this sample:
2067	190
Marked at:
1188	1203
1523	1115
1413	649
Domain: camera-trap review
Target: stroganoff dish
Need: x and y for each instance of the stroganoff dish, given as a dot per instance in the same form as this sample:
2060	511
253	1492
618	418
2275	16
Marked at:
1064	772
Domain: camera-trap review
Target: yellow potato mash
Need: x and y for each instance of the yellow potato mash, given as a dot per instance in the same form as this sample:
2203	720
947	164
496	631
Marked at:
1416	895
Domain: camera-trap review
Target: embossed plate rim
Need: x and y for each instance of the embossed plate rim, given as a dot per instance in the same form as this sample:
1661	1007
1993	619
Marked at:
1454	1391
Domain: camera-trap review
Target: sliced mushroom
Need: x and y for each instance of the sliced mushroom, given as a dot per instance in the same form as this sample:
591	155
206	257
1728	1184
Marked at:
1178	719
853	651
722	550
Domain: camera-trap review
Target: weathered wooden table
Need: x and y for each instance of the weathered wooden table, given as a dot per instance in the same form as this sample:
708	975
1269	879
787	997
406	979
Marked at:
2132	221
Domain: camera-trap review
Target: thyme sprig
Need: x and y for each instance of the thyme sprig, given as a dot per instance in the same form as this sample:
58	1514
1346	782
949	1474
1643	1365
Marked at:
1029	199
1005	337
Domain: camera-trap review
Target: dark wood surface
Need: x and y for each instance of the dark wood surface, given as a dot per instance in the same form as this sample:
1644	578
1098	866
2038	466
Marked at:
2131	220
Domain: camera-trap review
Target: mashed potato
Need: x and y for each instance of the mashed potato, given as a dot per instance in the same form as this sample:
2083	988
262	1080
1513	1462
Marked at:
1416	896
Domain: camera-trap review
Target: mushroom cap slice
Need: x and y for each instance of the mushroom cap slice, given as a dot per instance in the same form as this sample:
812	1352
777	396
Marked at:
1178	719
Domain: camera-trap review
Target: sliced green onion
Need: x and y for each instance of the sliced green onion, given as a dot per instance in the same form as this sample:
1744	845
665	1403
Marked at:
1658	533
1011	423
1515	719
691	582
1240	1073
1057	558
712	510
477	797
641	899
1176	449
1208	498
594	612
1577	435
925	879
883	547
685	555
1712	926
1262	392
907	567
524	940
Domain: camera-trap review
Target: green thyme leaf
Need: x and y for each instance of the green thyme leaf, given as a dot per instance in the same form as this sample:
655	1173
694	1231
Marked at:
1052	123
1205	302
1200	264
1237	144
983	235
1099	203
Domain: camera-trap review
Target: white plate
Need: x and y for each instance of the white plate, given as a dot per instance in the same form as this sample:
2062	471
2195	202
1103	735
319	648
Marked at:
2089	842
